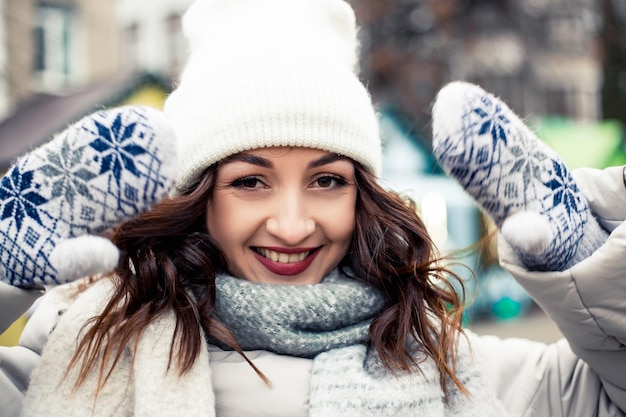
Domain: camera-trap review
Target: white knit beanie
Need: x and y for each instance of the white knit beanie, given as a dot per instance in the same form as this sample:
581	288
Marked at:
265	73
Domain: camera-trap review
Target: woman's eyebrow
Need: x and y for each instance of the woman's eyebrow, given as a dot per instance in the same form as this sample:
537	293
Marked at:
249	159
326	159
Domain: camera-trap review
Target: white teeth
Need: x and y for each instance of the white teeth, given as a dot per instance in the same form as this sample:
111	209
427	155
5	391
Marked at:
283	258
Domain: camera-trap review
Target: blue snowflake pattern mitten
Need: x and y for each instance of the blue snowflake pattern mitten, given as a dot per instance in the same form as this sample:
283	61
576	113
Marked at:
520	182
56	200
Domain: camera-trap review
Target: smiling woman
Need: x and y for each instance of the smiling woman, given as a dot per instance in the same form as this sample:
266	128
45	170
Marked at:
293	216
278	277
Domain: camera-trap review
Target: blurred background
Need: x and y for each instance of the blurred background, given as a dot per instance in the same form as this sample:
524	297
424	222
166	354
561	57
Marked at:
560	64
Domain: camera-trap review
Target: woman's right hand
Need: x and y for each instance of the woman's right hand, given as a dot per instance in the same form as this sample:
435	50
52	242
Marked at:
57	200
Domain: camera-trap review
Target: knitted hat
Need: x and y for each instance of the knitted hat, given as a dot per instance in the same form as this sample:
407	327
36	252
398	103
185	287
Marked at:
265	73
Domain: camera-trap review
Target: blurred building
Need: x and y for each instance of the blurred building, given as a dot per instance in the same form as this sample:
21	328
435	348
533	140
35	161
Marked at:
541	56
152	38
63	59
55	46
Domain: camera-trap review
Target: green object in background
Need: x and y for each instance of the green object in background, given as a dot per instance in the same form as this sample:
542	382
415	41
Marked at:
507	308
595	145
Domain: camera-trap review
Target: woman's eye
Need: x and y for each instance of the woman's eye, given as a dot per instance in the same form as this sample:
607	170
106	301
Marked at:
248	182
329	181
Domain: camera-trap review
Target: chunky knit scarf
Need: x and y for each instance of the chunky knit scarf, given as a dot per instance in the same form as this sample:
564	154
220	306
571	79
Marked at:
330	323
327	322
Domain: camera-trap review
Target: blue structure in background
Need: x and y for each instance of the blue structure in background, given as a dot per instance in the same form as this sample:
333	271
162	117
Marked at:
452	217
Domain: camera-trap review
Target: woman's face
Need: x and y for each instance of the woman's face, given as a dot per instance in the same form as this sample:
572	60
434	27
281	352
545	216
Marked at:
283	215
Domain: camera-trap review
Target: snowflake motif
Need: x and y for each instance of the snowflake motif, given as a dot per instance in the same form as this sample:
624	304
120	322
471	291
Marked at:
562	191
494	122
17	199
529	164
117	153
67	173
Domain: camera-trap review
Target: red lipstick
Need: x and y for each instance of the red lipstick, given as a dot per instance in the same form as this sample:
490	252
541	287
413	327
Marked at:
294	268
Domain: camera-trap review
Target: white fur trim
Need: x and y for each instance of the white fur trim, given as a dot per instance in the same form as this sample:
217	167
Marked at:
528	232
83	256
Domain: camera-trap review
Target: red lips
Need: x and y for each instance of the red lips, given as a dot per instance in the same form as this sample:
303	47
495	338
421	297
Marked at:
294	268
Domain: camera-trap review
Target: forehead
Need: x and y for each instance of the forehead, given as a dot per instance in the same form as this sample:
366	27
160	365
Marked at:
281	151
267	157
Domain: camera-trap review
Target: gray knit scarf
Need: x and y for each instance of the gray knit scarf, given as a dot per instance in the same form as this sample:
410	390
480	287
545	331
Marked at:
329	322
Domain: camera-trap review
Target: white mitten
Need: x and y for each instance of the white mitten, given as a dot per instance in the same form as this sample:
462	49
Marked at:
54	201
517	180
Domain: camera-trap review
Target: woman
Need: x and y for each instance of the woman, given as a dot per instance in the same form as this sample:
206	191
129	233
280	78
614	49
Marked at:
279	278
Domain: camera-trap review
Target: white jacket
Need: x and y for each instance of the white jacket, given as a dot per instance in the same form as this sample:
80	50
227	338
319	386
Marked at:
584	375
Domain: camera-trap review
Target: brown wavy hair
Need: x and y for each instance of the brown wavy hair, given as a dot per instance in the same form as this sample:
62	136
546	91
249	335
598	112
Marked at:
169	263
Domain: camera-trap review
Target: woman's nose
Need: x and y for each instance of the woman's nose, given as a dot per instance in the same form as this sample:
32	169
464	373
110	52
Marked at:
290	221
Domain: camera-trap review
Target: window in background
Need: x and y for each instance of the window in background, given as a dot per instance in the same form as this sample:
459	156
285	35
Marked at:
54	45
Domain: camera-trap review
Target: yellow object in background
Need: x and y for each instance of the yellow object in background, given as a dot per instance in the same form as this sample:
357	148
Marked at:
11	336
152	96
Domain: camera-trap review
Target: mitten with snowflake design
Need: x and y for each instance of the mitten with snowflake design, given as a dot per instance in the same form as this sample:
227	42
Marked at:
520	182
56	201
